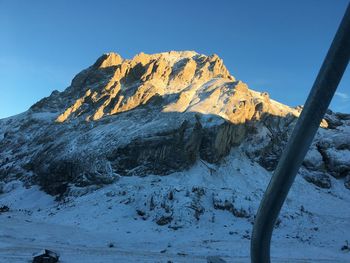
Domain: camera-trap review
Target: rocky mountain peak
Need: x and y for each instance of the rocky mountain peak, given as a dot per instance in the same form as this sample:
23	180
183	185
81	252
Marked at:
108	60
178	81
113	84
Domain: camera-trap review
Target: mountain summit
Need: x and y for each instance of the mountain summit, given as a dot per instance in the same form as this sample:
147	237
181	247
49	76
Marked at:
179	81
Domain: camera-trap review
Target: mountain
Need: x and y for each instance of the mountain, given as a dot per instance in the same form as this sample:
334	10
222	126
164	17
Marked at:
177	138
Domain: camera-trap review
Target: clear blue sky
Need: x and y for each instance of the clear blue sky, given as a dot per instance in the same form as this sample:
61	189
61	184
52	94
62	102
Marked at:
274	46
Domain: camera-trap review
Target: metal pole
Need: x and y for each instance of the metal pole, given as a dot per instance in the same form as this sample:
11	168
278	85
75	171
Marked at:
315	107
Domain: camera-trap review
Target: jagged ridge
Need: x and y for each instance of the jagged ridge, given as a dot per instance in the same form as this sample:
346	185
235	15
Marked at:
183	81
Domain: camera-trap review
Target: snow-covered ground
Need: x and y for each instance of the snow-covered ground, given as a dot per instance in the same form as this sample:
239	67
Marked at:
118	223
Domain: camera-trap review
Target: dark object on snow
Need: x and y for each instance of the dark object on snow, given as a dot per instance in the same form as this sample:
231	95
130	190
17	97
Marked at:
110	245
45	256
4	209
346	247
164	220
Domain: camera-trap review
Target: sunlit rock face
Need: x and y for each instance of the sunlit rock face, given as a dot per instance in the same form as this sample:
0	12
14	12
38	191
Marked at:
184	81
113	85
152	114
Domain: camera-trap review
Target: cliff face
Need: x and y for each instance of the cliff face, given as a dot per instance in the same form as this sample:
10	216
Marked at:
153	114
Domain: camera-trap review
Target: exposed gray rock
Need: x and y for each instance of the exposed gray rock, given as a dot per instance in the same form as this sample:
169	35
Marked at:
57	175
333	120
337	161
164	220
343	116
279	130
229	203
319	179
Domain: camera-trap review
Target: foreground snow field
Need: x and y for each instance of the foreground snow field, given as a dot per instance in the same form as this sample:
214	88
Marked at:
184	217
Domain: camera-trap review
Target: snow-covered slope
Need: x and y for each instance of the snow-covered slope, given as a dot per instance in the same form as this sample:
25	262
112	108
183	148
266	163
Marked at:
165	156
182	217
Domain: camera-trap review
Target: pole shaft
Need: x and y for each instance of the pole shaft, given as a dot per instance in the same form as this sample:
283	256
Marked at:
311	116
